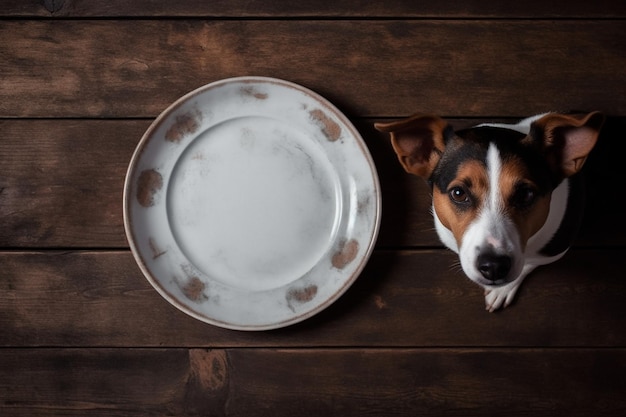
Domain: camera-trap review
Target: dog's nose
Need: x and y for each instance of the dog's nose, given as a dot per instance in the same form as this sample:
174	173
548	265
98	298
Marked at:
492	266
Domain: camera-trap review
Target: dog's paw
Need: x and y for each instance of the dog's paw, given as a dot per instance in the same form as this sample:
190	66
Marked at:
500	297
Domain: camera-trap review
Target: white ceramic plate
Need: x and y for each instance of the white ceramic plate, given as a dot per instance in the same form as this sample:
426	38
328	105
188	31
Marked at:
251	203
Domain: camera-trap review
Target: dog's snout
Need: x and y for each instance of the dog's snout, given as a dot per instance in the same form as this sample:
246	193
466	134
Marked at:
494	267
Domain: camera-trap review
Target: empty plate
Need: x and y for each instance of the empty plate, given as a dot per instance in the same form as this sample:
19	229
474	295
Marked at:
251	203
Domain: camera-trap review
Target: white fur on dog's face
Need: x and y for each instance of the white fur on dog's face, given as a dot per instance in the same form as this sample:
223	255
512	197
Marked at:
489	221
492	229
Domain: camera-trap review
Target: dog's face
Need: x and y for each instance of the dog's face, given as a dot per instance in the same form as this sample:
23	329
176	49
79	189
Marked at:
492	186
492	192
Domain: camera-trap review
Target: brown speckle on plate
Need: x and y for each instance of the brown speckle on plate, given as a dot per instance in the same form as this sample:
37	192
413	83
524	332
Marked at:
301	295
185	124
251	91
363	204
156	251
329	127
345	254
148	184
194	289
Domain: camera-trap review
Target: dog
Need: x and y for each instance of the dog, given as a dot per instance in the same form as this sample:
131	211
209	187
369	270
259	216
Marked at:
506	198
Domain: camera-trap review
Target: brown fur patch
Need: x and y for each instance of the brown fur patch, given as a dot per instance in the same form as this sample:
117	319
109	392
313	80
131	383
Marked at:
529	221
472	176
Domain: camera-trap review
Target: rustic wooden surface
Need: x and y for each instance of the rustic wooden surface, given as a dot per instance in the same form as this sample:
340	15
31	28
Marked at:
83	333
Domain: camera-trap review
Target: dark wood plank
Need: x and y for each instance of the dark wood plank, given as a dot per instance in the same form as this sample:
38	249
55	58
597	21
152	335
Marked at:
434	383
268	382
403	298
61	182
101	68
118	382
340	8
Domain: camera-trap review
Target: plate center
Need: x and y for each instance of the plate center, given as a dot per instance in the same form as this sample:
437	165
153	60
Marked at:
254	203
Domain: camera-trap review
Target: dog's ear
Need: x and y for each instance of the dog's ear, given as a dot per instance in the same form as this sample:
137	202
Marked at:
418	141
568	139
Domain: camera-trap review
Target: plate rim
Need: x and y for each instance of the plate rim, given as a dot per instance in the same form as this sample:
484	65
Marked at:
296	318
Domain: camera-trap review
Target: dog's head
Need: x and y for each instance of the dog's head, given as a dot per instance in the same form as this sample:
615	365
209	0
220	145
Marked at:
492	185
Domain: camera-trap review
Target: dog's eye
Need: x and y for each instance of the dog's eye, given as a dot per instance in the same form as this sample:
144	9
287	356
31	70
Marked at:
459	195
524	197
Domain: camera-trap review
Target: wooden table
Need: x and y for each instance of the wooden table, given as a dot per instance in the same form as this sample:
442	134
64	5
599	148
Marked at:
82	332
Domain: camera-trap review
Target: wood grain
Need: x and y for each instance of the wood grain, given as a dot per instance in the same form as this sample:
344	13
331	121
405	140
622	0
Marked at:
340	8
403	298
62	181
94	68
270	382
